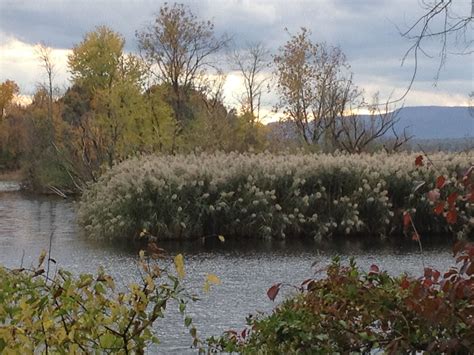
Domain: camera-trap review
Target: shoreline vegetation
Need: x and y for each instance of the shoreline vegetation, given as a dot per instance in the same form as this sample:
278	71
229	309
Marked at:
345	309
269	195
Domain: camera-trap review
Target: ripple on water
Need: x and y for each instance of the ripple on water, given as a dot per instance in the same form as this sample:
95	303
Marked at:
246	269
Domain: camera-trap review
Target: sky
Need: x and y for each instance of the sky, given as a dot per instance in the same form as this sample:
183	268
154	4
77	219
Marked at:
368	32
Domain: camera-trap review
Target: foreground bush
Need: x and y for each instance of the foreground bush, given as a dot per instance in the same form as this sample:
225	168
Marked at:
266	195
85	314
350	310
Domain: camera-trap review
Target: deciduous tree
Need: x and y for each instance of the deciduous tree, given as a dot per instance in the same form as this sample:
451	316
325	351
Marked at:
8	90
314	85
179	49
252	63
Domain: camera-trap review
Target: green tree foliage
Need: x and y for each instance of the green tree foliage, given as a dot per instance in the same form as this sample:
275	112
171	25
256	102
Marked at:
94	63
119	119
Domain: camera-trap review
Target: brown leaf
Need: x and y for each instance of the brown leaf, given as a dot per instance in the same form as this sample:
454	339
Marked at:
458	246
406	220
273	291
452	217
38	272
419	160
374	269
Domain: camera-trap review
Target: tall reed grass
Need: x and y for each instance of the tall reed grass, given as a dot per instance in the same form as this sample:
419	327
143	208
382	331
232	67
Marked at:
267	195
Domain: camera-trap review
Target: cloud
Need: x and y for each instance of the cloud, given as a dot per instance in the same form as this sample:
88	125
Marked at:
19	62
365	30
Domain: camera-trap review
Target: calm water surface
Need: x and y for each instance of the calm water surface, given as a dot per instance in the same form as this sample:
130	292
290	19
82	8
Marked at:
246	271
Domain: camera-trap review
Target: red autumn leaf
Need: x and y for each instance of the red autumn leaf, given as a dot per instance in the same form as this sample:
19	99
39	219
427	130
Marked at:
427	283
433	195
405	283
273	291
406	220
428	272
458	247
452	198
459	289
415	237
244	333
436	275
440	181
374	269
445	285
470	269
439	208
419	160
452	217
470	250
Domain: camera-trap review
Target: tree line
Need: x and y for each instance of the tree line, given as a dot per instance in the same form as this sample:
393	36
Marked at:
168	98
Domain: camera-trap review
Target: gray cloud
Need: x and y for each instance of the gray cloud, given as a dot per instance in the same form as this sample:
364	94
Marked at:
365	30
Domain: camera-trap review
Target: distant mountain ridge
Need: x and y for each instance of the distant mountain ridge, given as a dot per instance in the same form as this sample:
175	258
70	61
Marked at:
422	122
437	122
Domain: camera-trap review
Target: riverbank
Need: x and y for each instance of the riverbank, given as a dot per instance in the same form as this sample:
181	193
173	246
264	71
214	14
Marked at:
12	176
11	181
15	180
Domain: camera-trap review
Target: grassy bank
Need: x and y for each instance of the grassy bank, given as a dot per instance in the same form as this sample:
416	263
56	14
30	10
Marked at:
269	196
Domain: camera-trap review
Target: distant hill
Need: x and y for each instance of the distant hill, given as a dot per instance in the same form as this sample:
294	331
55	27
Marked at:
437	122
423	123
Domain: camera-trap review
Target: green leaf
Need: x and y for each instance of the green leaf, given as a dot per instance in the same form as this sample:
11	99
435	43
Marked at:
107	340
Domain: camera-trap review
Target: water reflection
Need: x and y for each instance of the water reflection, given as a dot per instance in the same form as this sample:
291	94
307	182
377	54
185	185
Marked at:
246	269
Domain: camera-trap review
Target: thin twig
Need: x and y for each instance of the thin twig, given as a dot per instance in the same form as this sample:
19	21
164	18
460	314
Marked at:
49	253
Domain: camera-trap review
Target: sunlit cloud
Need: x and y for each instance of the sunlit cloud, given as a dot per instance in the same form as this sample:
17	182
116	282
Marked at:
19	62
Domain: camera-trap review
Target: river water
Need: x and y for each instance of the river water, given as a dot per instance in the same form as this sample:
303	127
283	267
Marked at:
246	269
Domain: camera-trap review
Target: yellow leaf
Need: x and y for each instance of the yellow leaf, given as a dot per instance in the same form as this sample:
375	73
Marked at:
41	257
47	323
221	238
150	284
61	335
213	279
141	254
179	264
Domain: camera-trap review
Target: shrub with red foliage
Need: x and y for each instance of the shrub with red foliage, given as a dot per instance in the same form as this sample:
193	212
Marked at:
350	310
